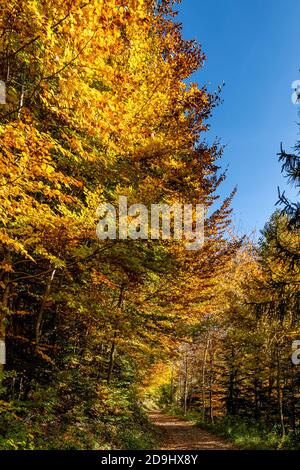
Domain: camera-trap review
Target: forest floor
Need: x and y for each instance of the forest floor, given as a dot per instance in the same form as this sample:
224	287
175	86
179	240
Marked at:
178	434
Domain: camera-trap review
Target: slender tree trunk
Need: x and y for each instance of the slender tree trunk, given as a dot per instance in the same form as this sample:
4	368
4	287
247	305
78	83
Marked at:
3	311
178	394
172	385
112	356
279	392
112	353
203	376
271	383
255	383
185	389
4	306
39	322
211	416
21	102
293	403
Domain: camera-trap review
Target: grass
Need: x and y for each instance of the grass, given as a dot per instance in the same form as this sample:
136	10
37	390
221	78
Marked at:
245	433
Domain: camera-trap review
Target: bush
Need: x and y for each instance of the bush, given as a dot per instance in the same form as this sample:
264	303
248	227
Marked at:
72	414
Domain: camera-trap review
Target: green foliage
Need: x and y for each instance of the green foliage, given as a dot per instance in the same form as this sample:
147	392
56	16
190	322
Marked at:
248	433
110	419
245	433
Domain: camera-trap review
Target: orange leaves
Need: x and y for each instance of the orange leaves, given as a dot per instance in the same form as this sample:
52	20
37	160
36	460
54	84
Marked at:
6	267
99	278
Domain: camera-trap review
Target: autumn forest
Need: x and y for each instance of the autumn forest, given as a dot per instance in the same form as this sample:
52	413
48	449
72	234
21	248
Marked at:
100	103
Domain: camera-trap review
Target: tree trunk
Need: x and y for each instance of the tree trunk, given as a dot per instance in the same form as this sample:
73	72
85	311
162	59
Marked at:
185	389
172	385
21	101
39	322
112	356
3	311
112	353
203	376
211	362
279	392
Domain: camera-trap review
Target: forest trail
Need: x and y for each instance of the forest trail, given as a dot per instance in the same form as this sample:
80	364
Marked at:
179	434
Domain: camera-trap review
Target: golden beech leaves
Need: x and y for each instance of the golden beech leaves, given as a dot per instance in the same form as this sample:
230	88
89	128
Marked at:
98	107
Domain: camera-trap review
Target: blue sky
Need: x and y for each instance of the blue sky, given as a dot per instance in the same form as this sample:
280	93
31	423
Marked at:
254	47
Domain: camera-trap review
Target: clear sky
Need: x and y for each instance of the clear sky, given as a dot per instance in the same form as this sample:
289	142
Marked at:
254	47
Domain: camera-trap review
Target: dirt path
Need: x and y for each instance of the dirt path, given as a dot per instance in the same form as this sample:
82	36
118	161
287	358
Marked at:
183	435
